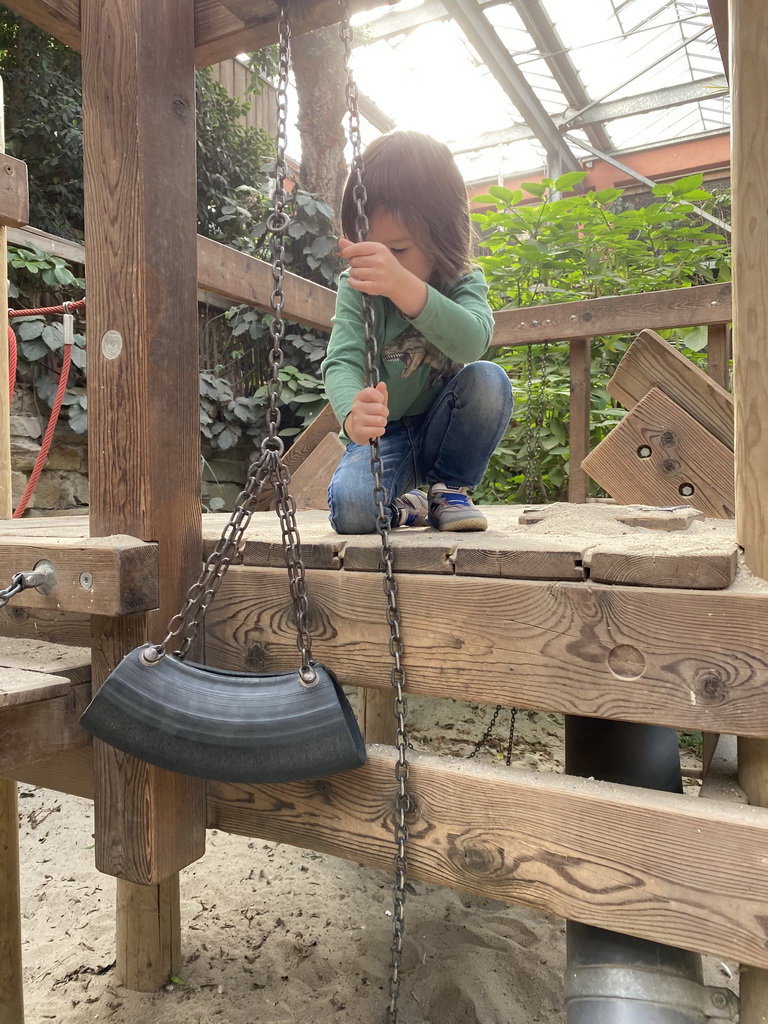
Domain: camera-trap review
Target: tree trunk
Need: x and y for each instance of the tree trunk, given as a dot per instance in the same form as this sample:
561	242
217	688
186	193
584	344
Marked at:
318	67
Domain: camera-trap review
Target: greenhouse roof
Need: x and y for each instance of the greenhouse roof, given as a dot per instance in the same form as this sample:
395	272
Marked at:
531	83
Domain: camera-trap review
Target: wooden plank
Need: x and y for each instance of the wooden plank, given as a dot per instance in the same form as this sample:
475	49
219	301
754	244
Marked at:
617	314
657	865
113	575
6	503
70	773
32	730
144	454
74	252
309	482
718	354
220	33
11	981
55	667
683	565
659	454
41	624
721	776
694	659
652	362
753	779
579	418
59	18
324	423
242	278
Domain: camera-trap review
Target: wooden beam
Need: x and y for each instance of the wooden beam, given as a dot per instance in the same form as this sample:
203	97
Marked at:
59	18
719	355
100	575
718	9
14	192
690	659
657	865
224	28
750	279
39	727
618	314
144	451
11	983
241	278
579	418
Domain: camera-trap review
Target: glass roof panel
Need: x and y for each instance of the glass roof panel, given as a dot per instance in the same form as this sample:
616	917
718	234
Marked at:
420	70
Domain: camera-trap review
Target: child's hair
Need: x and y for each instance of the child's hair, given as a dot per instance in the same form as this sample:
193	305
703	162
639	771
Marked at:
416	178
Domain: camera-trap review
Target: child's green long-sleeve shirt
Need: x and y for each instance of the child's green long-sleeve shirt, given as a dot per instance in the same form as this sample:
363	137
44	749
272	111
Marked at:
417	356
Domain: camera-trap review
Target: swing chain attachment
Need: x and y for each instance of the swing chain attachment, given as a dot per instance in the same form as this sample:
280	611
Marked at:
383	523
42	578
269	465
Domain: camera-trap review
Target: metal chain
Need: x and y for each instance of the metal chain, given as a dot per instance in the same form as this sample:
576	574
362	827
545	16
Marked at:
43	575
16	586
269	465
487	734
383	522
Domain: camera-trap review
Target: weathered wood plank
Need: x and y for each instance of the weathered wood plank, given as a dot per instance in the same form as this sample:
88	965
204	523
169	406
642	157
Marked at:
689	659
41	624
651	362
718	354
33	730
70	773
659	454
49	669
59	18
144	437
617	314
683	565
104	575
221	33
310	480
656	865
242	278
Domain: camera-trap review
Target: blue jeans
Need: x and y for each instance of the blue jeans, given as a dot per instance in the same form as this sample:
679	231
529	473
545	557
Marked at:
451	443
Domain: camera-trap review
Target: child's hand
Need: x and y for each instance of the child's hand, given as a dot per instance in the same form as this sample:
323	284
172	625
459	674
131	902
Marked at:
368	416
375	270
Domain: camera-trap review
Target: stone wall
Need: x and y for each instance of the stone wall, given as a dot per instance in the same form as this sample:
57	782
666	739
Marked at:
63	484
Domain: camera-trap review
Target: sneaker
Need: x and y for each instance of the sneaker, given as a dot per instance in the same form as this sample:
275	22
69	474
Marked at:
412	509
452	509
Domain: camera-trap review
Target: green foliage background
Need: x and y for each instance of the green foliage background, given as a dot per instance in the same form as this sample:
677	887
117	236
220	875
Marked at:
542	246
44	128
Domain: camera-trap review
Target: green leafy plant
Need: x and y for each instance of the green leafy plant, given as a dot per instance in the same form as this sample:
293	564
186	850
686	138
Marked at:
562	248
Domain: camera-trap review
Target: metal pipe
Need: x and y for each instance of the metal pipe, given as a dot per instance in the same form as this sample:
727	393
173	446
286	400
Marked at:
618	979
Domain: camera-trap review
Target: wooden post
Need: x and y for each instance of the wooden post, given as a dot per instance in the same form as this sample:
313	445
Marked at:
749	92
148	933
579	420
718	355
144	431
11	985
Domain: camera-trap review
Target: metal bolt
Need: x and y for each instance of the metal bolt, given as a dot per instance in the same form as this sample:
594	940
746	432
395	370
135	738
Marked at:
8	169
719	1000
573	318
713	302
644	452
686	490
534	323
86	580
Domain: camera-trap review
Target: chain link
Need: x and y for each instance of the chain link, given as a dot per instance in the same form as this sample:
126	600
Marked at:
383	522
16	586
487	734
269	465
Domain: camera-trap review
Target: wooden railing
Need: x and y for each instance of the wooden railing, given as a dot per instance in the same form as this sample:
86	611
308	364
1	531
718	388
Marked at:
226	277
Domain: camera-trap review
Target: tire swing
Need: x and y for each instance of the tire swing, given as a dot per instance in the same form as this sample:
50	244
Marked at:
231	726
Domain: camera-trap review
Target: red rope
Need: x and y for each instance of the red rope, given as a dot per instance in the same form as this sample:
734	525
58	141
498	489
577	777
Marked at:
42	455
68	307
12	359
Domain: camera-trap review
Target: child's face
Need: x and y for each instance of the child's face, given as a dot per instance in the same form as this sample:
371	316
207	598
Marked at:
389	230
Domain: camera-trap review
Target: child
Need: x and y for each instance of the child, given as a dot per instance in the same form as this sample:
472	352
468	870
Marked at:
438	419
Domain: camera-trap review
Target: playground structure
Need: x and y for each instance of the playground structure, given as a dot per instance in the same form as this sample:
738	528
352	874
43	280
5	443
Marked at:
662	653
